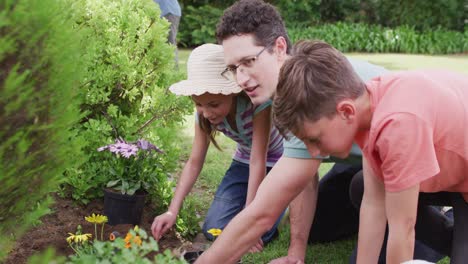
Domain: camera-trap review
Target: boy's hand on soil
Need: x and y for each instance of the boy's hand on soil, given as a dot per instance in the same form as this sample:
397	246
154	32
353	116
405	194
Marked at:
162	223
258	247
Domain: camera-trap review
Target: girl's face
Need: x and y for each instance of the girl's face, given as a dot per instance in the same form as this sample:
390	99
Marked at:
214	107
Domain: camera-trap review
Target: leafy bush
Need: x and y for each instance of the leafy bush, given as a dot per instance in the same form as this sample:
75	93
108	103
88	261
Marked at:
422	14
356	37
299	12
198	25
38	106
129	67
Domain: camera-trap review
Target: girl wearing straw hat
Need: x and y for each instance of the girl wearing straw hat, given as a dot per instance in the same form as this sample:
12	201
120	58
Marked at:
222	107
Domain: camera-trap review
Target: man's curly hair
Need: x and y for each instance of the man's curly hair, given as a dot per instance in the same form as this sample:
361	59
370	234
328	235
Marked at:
252	17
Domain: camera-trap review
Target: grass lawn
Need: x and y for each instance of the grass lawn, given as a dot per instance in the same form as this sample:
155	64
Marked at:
217	162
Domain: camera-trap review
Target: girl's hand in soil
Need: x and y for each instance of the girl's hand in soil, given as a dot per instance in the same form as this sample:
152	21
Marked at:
258	247
162	223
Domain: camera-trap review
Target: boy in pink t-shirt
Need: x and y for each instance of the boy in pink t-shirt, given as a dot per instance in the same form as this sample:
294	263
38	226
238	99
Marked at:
411	127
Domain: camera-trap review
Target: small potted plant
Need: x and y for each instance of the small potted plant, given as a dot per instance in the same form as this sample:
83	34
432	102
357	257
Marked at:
132	170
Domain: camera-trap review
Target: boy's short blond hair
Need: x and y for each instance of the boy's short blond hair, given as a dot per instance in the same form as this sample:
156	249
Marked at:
311	83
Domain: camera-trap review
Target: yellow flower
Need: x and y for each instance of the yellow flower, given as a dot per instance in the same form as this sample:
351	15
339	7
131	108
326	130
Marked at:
137	240
82	238
215	232
136	228
96	218
78	238
70	238
128	237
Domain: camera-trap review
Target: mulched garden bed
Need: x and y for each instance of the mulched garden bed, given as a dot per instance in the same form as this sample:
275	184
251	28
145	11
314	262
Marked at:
64	219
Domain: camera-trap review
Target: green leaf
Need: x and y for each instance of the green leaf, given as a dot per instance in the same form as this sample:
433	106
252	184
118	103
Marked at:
112	183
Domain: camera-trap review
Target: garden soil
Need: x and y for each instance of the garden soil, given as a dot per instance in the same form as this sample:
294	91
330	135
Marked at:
67	215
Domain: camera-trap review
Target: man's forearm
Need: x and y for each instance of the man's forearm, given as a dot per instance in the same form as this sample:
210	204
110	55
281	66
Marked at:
301	215
256	175
238	236
284	182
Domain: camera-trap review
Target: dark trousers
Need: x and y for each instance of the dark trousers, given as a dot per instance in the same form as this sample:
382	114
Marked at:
445	234
172	37
336	216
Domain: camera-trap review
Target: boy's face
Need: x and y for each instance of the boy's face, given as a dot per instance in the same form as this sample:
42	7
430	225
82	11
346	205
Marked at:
328	136
257	77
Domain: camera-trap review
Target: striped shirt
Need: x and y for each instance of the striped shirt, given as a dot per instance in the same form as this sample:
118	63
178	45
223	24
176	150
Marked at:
245	111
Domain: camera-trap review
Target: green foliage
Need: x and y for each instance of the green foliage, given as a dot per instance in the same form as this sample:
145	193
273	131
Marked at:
48	256
38	105
198	25
215	3
422	14
299	12
199	17
346	11
129	67
188	219
355	37
135	248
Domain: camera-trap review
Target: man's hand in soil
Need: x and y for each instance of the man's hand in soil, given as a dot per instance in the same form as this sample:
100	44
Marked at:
287	260
258	247
162	223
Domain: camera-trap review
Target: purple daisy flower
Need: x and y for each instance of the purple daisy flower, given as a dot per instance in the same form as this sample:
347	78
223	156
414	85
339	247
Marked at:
146	145
103	148
130	150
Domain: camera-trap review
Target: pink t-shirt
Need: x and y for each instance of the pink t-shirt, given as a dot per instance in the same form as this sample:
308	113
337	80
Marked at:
419	131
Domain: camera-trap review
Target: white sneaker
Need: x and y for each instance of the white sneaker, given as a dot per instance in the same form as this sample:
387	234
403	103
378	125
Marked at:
417	261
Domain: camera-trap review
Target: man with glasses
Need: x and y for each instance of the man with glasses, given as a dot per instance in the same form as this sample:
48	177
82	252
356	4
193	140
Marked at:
255	47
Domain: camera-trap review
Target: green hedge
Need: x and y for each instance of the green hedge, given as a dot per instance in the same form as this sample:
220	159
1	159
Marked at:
422	14
349	37
372	38
199	17
39	75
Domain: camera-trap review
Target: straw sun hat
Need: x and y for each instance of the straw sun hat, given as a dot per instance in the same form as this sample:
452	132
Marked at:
204	67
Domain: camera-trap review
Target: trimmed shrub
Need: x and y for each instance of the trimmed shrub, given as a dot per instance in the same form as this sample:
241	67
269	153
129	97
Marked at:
39	103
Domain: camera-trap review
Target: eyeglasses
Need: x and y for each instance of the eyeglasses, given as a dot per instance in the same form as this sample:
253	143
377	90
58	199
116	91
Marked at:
230	72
